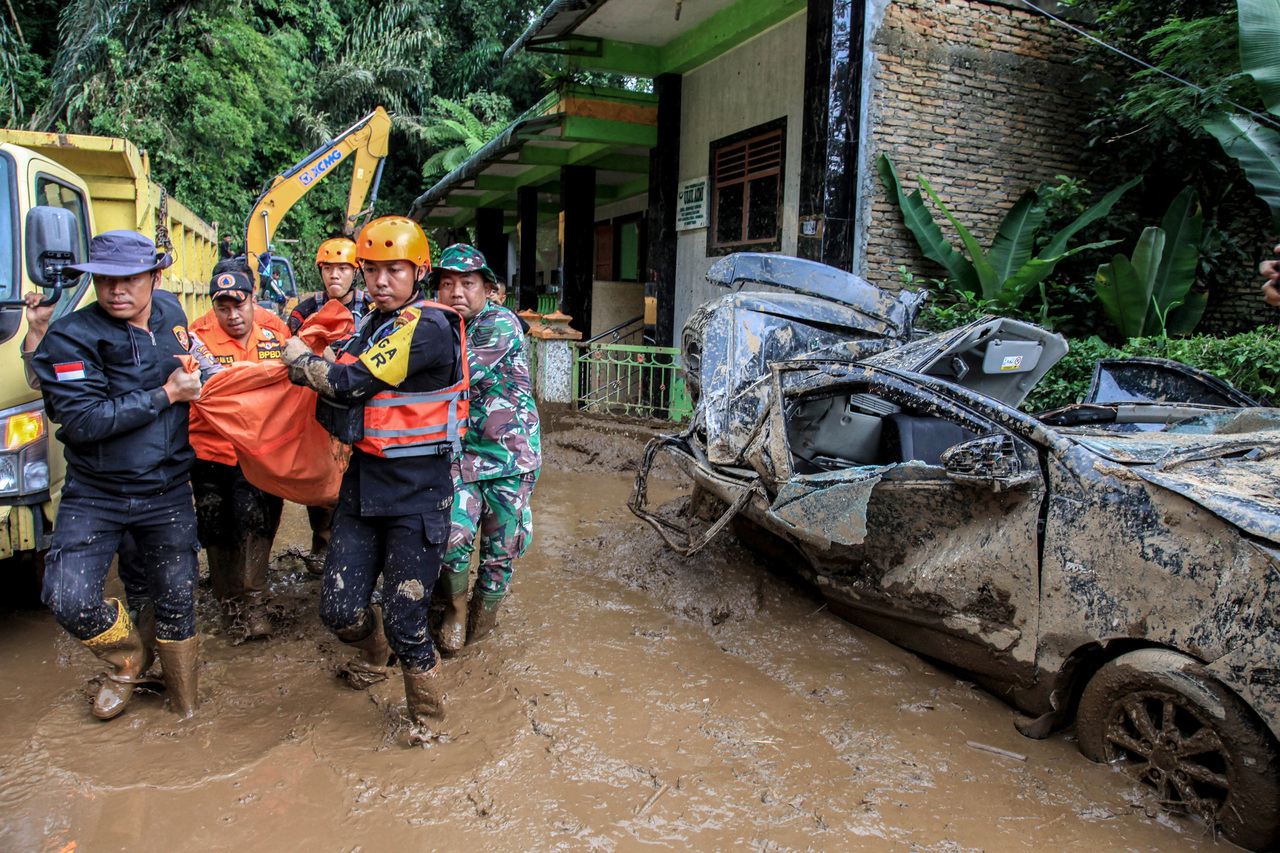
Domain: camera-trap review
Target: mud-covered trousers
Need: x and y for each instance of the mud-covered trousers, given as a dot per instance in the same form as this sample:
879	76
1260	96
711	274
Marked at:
404	549
235	523
86	536
499	508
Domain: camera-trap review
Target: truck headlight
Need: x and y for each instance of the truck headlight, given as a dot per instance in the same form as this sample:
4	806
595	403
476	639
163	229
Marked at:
24	461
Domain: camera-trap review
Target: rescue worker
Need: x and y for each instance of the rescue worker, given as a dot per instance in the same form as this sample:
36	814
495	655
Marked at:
501	452
397	393
109	376
236	522
336	259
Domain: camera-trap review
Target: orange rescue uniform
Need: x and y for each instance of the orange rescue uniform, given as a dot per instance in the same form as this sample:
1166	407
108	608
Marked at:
265	343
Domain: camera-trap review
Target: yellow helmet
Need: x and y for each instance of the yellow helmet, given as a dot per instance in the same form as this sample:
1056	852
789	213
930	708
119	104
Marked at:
339	250
393	238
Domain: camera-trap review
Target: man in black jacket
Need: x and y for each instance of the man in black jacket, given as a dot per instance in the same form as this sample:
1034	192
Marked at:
111	377
397	393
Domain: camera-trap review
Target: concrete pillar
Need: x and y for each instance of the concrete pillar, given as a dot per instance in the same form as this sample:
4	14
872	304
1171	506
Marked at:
527	210
490	240
664	175
830	131
578	202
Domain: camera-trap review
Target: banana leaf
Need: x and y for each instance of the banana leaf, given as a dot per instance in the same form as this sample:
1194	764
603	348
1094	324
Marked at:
1058	244
1260	47
1014	242
933	245
1124	287
1257	149
986	273
1178	262
1036	270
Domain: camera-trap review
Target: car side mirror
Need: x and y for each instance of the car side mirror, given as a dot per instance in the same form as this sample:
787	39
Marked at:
989	460
51	245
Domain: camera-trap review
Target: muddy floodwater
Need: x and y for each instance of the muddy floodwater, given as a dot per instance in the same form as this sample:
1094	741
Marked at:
629	700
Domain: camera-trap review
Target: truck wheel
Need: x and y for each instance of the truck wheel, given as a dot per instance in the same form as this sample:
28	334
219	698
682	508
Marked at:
1164	720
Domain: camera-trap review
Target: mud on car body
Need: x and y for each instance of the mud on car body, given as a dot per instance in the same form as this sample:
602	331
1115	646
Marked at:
1115	562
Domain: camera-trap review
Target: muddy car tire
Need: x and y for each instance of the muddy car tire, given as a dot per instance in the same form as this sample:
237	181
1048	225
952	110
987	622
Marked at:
1164	720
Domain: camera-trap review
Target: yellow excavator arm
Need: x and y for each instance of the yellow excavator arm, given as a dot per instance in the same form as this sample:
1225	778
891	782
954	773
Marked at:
366	139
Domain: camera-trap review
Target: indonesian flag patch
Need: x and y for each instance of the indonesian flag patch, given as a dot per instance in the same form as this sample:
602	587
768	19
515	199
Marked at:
70	371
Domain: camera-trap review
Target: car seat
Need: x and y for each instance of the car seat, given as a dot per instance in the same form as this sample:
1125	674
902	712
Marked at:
908	438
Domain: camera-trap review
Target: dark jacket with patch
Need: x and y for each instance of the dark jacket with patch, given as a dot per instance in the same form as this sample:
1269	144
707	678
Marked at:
415	484
103	381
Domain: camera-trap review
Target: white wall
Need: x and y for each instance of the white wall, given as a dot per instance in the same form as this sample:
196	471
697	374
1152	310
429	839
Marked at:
756	82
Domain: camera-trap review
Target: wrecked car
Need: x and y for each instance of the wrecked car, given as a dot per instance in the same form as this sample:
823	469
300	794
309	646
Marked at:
1115	562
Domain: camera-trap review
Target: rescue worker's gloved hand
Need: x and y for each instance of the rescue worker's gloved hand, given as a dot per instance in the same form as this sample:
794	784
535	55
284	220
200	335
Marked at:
294	349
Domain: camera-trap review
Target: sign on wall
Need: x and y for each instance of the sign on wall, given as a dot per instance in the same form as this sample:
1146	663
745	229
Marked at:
691	204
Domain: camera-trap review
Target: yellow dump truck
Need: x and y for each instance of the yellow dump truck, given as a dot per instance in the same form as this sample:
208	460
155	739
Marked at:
106	183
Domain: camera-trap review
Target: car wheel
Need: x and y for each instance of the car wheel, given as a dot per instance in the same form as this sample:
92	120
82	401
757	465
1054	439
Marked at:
1163	719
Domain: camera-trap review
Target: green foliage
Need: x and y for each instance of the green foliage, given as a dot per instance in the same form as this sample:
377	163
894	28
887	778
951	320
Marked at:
1248	361
1007	272
223	96
458	130
1151	292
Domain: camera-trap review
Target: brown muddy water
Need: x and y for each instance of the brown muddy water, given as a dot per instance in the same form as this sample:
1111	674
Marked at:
629	700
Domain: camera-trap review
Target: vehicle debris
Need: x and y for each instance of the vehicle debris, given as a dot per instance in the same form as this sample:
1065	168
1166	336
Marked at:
1037	553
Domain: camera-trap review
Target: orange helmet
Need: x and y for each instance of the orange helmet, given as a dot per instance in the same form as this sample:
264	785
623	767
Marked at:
339	250
393	238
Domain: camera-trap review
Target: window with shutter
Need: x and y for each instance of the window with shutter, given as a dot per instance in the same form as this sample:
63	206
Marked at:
746	190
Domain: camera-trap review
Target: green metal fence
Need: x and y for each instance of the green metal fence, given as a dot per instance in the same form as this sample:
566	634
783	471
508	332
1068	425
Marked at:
547	303
630	381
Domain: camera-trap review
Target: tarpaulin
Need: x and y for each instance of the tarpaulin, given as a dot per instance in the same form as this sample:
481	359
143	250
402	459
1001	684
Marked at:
271	422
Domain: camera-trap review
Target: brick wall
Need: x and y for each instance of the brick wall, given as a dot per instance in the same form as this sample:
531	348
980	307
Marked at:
984	101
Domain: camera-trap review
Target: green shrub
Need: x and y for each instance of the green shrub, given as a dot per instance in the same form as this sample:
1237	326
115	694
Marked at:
1249	361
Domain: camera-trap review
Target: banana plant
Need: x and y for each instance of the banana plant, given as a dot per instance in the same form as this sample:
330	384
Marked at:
1009	270
1252	144
1150	293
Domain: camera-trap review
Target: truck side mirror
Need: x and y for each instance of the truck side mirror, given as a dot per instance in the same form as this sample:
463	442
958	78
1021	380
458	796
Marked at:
988	460
52	243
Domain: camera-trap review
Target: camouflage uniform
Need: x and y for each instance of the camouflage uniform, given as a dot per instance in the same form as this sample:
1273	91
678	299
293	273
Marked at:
500	459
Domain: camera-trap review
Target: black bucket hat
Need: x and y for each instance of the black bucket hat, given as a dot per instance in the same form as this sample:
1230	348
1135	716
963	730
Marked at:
122	253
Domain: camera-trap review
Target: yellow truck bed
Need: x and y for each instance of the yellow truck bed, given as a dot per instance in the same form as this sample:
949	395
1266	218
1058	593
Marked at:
123	195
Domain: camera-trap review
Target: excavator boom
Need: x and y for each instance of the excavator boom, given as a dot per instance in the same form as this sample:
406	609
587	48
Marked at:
366	140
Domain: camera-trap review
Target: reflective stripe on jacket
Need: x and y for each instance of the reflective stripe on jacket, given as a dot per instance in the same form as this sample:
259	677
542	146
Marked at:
425	423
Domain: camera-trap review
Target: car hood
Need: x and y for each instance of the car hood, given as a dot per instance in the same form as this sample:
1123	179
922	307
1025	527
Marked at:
1228	462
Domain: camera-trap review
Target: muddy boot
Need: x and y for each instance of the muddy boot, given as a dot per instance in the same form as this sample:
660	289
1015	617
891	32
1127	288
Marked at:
122	647
254	618
453	628
179	658
255	583
321	520
142	611
482	614
370	667
424	697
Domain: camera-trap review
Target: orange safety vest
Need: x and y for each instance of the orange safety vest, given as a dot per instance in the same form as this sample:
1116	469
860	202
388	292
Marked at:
416	423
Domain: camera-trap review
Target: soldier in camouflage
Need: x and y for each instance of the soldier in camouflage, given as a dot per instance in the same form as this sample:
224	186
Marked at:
501	452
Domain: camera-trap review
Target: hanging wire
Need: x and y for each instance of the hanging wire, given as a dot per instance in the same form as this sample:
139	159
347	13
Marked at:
1262	117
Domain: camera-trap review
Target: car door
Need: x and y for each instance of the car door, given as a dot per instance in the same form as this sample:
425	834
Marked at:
908	533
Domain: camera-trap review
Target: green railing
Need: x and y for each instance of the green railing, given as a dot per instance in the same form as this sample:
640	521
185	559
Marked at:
547	303
630	381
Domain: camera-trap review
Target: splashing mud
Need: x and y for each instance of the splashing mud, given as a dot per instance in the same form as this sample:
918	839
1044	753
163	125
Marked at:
627	698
